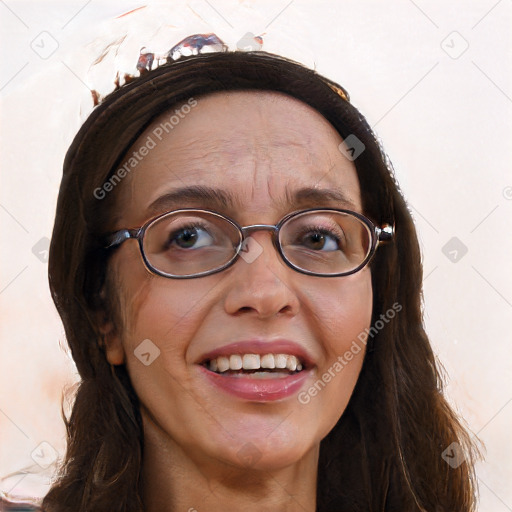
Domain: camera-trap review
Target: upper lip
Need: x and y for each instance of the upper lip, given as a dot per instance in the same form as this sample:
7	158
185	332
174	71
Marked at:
261	347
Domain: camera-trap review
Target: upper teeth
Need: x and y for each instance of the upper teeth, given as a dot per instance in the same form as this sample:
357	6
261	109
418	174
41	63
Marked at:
254	362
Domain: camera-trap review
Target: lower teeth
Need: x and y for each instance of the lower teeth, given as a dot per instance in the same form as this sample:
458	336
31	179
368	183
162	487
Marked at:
258	374
264	375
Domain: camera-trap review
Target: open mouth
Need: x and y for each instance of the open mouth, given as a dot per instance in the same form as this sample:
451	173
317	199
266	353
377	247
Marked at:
262	377
264	366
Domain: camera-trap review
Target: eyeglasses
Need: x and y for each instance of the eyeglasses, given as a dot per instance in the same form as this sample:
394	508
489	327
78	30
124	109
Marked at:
188	243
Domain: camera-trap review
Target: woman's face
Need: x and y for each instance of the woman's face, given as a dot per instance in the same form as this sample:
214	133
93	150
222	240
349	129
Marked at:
260	149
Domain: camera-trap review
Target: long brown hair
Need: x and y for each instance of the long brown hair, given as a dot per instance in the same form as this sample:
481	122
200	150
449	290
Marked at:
385	453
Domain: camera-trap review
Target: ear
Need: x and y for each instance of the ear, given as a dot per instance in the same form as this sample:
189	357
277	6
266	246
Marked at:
114	349
110	336
110	332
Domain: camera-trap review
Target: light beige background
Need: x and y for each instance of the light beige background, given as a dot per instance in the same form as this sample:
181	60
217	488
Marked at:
434	80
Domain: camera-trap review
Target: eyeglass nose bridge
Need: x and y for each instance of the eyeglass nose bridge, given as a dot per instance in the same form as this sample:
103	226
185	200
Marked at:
258	227
274	229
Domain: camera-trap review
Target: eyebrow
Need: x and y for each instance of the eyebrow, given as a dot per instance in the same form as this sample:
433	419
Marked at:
218	198
319	196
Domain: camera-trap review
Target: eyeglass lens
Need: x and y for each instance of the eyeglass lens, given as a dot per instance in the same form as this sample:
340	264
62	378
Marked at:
183	244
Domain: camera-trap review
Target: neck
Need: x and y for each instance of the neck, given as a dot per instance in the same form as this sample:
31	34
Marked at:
175	479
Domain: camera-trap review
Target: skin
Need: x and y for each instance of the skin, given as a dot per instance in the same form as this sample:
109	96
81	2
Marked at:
255	145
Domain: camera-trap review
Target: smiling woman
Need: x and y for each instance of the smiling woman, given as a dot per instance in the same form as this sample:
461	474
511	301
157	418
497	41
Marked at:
243	304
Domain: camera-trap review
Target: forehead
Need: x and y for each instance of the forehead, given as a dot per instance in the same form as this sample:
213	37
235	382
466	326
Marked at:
257	146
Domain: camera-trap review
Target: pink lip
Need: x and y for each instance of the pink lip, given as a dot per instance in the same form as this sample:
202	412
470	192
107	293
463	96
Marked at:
257	390
260	390
258	346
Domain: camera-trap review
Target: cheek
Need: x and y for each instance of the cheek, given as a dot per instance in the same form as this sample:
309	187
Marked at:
167	313
154	307
165	317
342	311
160	318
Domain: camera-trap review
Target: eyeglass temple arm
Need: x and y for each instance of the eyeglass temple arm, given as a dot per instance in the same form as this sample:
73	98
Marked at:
119	237
386	233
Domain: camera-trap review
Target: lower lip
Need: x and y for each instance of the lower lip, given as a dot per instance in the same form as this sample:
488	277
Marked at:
258	390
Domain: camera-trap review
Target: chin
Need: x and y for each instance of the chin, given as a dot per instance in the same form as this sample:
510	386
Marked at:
261	451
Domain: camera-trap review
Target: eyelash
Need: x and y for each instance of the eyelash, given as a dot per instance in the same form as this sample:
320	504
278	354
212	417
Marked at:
319	229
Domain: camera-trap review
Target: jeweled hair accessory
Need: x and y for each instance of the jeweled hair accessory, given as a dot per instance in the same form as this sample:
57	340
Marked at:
194	44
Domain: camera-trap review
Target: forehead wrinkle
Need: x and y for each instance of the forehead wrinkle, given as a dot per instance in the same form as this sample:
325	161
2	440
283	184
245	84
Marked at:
203	153
196	150
279	203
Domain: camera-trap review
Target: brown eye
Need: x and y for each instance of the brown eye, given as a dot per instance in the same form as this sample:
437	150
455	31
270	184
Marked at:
190	237
320	239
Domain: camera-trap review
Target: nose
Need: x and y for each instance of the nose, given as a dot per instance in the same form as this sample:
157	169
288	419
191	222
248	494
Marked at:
261	283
